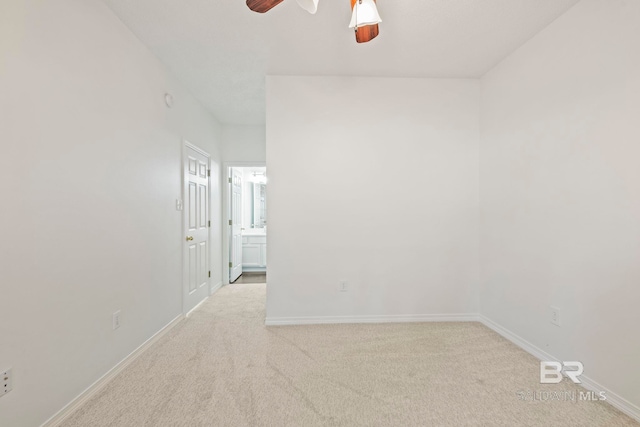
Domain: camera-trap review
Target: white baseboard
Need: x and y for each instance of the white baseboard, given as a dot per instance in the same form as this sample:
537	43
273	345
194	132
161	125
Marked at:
216	288
537	352
401	318
94	388
614	399
197	306
254	269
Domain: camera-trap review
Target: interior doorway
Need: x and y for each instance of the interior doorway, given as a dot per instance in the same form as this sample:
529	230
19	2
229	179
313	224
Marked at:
246	210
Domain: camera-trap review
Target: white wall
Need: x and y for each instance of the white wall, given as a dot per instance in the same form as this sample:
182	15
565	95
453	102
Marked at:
243	143
560	187
89	174
374	181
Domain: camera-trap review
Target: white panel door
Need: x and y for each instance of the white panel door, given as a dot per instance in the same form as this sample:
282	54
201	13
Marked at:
196	228
235	246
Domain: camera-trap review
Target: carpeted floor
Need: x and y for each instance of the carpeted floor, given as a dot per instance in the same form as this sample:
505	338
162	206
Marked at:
223	367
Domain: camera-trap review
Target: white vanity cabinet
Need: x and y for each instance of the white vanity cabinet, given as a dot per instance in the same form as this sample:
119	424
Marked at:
254	252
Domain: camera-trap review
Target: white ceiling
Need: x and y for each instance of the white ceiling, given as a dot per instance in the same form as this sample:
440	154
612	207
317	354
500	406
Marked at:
222	51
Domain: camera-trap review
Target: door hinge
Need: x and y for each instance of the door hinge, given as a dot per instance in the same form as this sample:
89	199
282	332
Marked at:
230	222
208	172
230	181
209	274
209	223
230	265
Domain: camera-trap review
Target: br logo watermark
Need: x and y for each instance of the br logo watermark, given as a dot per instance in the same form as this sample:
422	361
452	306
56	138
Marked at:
552	372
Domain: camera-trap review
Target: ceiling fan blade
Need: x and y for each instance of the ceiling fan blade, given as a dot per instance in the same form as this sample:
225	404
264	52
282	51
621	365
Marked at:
367	33
262	6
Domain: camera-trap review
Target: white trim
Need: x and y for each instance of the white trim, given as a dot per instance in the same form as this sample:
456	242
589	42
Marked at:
254	270
196	148
216	288
517	340
614	399
197	306
94	388
394	318
225	211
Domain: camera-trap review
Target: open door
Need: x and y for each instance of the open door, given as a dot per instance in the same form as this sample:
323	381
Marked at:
235	223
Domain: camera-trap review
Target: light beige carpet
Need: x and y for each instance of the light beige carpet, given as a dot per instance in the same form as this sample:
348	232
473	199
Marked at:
223	367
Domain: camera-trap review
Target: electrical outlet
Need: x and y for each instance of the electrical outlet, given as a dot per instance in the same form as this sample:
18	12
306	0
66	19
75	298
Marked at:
555	316
116	319
343	286
6	381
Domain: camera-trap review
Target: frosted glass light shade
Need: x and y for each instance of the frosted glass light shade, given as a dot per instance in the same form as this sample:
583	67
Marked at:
365	13
310	6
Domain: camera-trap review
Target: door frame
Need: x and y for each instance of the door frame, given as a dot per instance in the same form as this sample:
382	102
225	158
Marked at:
226	204
183	285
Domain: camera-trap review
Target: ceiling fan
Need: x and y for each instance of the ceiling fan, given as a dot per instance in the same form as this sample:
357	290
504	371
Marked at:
364	15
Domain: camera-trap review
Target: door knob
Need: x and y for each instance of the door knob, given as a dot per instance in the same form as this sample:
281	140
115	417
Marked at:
189	238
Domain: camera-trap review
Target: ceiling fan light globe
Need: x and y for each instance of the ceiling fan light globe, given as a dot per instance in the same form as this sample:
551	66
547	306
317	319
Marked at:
310	6
365	13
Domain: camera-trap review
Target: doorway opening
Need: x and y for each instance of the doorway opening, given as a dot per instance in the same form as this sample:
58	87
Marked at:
247	224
